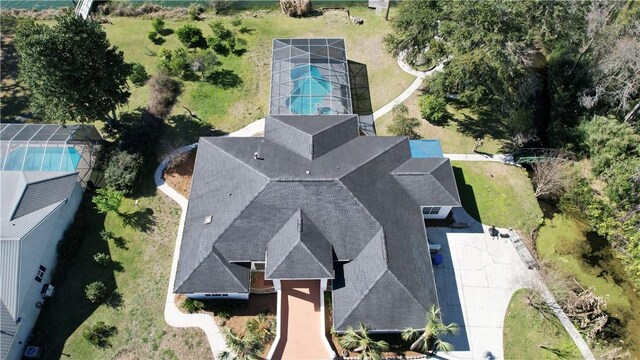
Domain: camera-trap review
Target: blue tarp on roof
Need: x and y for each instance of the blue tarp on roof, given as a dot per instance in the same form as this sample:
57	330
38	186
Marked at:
425	148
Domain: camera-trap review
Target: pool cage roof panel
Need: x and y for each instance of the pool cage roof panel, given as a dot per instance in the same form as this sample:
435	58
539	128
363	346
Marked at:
38	133
46	147
309	77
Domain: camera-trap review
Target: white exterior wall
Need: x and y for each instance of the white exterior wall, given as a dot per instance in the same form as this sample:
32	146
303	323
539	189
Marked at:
230	296
39	248
444	211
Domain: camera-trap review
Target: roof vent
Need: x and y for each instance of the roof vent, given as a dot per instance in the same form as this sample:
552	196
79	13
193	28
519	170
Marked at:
208	219
308	172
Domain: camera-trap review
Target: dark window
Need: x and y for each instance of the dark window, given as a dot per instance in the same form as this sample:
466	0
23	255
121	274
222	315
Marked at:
40	273
430	210
259	266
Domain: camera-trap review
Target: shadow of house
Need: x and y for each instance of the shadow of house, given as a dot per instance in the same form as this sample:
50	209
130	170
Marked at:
467	196
53	330
447	285
361	96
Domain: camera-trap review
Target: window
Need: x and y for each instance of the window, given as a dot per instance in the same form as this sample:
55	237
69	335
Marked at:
40	273
430	210
258	266
218	295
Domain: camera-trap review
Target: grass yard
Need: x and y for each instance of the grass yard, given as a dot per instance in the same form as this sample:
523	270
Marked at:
232	108
529	334
139	277
498	194
455	137
582	255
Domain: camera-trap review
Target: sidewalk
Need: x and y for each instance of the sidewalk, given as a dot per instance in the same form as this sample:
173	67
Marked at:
502	158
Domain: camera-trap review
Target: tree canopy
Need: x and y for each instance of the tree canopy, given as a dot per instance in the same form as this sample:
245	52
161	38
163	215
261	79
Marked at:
71	70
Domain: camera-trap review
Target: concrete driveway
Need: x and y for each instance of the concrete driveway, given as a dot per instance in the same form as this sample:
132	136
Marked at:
475	283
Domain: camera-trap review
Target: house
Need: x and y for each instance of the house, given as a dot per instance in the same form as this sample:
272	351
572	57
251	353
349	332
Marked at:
313	199
43	172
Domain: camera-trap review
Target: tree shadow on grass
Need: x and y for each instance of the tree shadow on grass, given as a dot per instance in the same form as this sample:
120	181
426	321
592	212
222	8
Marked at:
114	301
141	220
66	312
487	122
184	129
225	78
166	32
239	52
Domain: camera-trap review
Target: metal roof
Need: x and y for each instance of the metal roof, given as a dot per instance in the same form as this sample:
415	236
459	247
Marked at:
309	77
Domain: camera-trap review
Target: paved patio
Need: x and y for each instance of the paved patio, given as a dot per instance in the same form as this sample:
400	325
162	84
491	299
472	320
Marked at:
475	283
301	335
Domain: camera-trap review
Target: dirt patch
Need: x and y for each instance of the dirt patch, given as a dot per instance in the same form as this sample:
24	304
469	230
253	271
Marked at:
179	172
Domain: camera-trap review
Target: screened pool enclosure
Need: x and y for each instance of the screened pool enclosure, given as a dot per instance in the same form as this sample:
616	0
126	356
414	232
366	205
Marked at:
309	77
35	147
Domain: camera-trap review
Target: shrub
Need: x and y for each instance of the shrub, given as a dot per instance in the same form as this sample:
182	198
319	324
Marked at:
223	314
402	124
220	31
96	292
102	259
176	63
107	200
164	93
194	11
236	22
155	38
191	36
122	171
99	334
219	46
158	25
433	109
190	305
138	75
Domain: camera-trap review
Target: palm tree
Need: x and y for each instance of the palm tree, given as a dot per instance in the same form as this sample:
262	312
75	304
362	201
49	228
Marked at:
262	327
429	339
241	346
359	341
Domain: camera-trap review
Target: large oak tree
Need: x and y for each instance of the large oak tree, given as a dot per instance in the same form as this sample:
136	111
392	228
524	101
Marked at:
72	71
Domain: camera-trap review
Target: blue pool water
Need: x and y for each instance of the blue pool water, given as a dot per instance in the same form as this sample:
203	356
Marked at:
309	90
425	148
42	159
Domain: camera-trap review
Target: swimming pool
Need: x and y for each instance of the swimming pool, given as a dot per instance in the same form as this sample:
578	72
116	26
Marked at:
425	148
42	159
310	88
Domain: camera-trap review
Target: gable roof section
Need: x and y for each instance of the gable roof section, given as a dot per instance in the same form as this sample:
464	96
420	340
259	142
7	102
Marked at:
429	181
222	188
42	191
311	136
299	251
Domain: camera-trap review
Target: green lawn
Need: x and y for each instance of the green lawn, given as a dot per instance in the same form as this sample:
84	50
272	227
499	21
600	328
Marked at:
528	334
570	247
139	278
230	109
455	137
498	194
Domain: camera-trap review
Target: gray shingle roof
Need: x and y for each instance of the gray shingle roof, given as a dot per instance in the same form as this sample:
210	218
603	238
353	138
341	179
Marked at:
356	195
299	251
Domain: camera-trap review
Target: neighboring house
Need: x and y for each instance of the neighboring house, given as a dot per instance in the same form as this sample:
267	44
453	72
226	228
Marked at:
41	186
313	199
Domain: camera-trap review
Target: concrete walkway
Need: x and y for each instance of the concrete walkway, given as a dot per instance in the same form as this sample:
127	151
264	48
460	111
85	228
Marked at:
502	158
172	313
475	283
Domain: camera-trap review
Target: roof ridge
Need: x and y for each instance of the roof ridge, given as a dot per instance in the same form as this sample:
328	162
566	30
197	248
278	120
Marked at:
375	156
234	157
47	179
364	295
405	288
202	262
293	247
